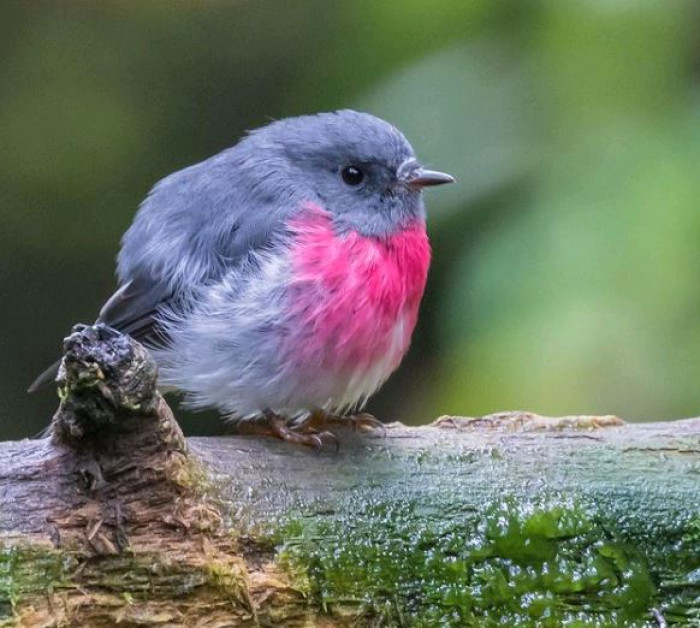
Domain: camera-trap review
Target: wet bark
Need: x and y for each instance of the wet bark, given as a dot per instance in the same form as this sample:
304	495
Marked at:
510	519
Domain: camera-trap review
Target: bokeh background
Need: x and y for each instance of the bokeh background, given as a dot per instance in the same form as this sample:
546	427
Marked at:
566	273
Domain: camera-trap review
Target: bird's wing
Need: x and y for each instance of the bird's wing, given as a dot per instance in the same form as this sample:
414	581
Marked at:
192	229
133	309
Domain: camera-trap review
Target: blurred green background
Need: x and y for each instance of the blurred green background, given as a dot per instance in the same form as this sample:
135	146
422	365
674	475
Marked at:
566	274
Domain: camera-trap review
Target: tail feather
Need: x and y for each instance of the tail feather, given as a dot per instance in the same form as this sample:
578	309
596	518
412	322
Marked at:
46	378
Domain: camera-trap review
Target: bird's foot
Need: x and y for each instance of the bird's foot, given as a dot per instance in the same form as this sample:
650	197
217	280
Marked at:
358	422
276	426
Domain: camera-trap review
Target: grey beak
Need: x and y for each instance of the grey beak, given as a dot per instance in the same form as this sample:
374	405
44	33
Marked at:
422	178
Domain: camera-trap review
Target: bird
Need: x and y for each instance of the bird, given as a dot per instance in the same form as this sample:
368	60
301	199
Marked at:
279	281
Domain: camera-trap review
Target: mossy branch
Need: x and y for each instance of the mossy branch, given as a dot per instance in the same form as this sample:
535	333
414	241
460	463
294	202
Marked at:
510	519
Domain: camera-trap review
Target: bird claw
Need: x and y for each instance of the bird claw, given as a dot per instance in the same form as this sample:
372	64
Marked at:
358	423
308	438
273	425
322	438
311	433
366	423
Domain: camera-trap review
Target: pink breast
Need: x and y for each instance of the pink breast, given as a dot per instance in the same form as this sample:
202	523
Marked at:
354	299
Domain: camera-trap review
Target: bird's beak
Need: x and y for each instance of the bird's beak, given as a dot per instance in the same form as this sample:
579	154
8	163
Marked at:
421	178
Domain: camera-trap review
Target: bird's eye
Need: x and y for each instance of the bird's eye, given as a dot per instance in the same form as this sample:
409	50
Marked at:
352	175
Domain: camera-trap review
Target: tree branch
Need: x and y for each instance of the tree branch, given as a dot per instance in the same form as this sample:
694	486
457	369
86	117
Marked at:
510	519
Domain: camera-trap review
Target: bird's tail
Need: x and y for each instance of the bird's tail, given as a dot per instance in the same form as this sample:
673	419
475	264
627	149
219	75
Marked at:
46	378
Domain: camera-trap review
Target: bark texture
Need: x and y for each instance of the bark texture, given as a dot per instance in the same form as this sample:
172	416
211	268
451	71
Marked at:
511	519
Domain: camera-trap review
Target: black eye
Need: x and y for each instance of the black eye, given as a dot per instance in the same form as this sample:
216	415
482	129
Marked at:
352	175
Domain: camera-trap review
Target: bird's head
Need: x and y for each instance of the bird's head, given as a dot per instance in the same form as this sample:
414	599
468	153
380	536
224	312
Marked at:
359	168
